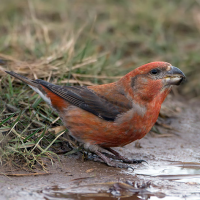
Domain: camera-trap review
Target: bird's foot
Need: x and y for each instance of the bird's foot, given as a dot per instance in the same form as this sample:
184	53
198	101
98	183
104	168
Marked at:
111	163
122	158
119	165
133	161
110	159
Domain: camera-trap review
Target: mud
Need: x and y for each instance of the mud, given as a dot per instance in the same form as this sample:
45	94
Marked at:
172	172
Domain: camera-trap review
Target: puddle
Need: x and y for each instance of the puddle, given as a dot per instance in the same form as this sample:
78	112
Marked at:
107	191
141	194
104	196
87	196
178	171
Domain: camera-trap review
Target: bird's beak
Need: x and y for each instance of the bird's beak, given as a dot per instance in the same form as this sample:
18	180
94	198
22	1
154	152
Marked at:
174	76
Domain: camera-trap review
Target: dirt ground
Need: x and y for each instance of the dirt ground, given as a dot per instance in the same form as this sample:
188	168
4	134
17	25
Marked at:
172	172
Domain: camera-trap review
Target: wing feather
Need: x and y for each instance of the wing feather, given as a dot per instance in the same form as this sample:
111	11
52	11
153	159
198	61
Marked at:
88	100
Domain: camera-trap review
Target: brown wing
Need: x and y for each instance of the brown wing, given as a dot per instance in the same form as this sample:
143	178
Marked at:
111	92
86	99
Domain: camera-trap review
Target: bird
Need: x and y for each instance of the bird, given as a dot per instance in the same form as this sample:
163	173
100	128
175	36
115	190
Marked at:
111	115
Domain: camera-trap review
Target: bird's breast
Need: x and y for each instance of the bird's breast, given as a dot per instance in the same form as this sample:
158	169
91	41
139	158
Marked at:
128	127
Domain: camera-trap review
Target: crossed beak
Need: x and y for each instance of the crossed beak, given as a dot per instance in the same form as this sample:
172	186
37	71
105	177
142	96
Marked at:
174	76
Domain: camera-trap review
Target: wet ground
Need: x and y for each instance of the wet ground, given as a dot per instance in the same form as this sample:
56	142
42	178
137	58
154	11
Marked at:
172	172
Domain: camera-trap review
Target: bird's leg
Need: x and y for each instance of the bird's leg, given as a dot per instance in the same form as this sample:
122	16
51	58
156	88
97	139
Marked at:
111	163
124	159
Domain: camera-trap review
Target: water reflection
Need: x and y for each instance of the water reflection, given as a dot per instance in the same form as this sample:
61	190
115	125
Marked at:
180	171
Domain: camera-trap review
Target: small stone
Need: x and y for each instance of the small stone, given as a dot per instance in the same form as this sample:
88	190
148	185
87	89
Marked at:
138	145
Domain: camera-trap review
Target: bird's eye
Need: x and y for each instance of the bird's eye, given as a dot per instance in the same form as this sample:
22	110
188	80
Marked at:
154	71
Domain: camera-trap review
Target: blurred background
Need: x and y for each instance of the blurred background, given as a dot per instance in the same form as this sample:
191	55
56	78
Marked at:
94	42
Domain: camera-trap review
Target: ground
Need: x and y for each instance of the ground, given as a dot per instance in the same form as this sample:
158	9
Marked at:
173	169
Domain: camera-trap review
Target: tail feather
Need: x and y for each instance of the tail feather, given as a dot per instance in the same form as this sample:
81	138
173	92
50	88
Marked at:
23	78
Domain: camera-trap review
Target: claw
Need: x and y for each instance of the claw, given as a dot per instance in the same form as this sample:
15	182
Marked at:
119	165
138	161
123	159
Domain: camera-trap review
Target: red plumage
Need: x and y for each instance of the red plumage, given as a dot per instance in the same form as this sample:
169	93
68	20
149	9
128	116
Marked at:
114	114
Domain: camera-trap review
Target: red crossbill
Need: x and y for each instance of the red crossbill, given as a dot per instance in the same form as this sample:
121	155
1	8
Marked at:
114	114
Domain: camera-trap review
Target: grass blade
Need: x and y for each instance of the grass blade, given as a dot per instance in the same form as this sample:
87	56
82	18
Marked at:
5	120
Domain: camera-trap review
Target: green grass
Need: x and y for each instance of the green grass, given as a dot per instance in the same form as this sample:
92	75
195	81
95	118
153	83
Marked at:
83	43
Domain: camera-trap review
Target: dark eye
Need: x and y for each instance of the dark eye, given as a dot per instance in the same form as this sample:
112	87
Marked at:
155	71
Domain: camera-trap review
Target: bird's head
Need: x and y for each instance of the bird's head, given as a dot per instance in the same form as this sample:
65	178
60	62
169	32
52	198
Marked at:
152	79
